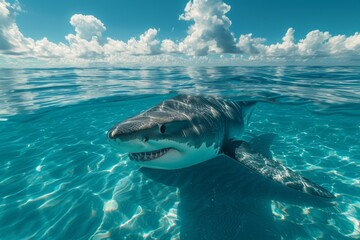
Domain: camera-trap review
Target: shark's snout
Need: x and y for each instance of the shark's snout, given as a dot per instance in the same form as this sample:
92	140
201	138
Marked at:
111	134
124	140
123	130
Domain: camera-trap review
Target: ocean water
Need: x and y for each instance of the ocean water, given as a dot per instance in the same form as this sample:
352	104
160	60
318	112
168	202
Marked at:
60	179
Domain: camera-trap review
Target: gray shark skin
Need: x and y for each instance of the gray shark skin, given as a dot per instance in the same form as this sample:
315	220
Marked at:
187	130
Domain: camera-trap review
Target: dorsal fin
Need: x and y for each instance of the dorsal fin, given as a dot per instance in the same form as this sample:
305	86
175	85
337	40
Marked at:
247	108
262	144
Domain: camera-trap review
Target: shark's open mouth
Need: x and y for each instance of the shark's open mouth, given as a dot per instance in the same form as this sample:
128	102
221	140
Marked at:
148	156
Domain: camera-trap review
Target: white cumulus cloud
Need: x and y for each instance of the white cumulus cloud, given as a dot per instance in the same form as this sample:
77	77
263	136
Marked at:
286	48
208	34
87	26
86	42
146	45
251	46
168	46
45	49
12	40
315	45
113	47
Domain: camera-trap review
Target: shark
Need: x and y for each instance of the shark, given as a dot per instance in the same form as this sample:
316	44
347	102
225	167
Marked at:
190	129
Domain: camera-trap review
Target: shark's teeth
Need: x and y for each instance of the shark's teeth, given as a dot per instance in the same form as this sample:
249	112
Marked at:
148	156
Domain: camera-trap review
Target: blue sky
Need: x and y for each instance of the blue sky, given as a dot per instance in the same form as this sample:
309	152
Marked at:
125	19
312	28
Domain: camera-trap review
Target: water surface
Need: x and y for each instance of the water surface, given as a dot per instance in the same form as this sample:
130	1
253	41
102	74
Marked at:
60	179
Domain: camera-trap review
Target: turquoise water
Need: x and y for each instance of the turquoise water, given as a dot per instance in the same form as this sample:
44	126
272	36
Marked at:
60	179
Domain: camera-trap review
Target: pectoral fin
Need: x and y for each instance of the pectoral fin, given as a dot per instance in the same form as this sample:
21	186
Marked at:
271	169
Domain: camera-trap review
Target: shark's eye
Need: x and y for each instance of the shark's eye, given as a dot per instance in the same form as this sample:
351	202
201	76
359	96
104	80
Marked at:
162	128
